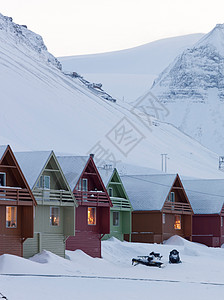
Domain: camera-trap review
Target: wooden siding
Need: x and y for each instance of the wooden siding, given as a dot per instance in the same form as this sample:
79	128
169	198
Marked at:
148	227
15	193
207	230
87	241
54	243
11	244
88	237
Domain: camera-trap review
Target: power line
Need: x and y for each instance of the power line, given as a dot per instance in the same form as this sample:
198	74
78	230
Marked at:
161	184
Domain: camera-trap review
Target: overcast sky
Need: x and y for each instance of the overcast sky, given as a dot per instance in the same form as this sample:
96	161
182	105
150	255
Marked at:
72	27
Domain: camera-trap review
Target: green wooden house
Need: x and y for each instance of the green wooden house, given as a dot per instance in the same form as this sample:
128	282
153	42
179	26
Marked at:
120	212
54	217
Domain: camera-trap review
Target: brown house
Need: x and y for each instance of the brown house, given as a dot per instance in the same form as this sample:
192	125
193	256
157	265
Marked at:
207	200
160	207
16	205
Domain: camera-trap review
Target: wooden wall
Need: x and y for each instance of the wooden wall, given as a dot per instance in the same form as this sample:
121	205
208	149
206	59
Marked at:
207	230
10	238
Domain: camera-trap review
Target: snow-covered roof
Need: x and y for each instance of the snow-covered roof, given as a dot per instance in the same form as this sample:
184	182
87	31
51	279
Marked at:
2	150
32	164
205	195
72	167
148	192
105	174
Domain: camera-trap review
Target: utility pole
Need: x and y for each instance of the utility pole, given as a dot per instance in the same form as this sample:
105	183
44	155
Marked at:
164	162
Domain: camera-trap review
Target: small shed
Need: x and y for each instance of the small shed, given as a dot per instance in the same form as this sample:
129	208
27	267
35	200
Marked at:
160	207
207	200
120	212
93	211
16	205
55	213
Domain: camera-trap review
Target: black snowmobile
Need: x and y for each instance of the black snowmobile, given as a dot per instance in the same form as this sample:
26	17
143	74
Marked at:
174	257
152	260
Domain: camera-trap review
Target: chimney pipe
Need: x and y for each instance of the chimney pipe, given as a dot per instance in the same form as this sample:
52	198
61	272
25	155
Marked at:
91	155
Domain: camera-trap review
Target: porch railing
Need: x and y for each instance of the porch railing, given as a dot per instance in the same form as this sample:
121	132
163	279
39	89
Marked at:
177	207
45	195
14	194
91	198
121	203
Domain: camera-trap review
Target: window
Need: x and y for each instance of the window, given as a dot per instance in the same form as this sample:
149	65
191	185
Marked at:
2	179
177	224
54	216
164	218
83	185
46	182
116	217
171	197
11	216
91	216
221	221
110	192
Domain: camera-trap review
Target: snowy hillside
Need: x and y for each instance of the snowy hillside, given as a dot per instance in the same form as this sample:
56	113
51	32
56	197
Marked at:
129	73
192	88
42	109
46	276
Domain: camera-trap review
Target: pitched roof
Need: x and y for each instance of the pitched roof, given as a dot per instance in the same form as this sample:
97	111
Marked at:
105	174
32	163
205	195
2	150
72	167
148	192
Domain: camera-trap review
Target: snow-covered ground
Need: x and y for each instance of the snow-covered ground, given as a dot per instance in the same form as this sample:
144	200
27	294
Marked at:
47	276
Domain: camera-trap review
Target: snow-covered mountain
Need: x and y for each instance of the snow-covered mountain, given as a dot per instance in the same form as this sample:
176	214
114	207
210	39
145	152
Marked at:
192	88
42	108
129	73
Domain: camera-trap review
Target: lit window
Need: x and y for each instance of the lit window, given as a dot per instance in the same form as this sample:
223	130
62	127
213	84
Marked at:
46	182
116	216
110	192
171	197
54	216
2	179
164	218
91	216
177	224
11	216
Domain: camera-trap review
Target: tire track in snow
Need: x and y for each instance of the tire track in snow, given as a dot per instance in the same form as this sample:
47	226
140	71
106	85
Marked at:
113	278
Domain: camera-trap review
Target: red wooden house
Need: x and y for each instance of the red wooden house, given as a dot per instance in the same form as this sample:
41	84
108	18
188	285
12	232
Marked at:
92	220
160	207
207	200
16	205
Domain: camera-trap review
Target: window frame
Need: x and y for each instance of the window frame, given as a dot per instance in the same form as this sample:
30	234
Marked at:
8	226
176	222
49	177
94	208
86	183
164	218
51	216
118	214
171	197
3	173
110	192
